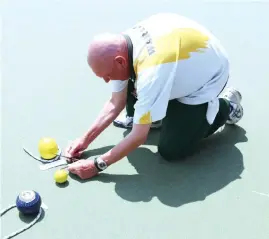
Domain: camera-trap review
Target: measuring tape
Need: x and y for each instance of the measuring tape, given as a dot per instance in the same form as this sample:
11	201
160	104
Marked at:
56	158
59	160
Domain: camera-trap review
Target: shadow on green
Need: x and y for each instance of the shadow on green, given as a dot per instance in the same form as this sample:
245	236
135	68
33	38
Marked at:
62	185
29	218
217	163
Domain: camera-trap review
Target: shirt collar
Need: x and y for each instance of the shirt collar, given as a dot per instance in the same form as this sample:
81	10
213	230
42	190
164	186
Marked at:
130	56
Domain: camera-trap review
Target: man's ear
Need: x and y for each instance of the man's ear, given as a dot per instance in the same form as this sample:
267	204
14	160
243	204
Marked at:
120	62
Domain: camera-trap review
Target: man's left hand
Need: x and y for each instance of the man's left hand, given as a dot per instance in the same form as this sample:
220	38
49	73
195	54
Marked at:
85	169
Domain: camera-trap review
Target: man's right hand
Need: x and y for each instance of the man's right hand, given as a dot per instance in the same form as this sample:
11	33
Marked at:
110	111
76	148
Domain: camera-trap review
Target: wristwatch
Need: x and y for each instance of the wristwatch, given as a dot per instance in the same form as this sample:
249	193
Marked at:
100	164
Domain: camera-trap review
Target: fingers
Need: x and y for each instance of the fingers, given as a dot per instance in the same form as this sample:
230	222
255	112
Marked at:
84	169
75	154
74	150
74	167
68	156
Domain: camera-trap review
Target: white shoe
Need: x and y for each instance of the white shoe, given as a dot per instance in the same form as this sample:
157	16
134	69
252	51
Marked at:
232	95
236	109
127	122
123	121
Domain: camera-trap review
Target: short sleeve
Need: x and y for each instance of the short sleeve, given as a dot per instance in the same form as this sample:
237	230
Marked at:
153	90
118	85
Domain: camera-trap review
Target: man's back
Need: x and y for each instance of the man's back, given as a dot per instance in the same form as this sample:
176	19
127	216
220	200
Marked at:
183	54
174	58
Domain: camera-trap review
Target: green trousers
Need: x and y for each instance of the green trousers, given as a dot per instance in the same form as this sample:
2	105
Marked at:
184	126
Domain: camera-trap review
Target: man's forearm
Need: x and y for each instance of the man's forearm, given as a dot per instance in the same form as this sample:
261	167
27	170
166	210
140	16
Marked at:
133	140
127	145
108	114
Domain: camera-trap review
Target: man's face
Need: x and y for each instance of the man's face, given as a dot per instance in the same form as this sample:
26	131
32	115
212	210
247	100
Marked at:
112	69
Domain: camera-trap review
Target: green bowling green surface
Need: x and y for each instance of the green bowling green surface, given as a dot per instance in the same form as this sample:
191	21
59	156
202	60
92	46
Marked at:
47	89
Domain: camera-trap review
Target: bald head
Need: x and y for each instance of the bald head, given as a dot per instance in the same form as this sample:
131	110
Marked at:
108	56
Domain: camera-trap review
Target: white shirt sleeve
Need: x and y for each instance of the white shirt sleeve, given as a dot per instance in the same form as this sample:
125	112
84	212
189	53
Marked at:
153	90
118	85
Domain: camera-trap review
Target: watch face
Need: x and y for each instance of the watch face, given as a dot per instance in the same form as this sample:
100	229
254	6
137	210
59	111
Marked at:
101	164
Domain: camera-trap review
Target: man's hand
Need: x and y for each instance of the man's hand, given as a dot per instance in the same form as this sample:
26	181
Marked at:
75	149
85	169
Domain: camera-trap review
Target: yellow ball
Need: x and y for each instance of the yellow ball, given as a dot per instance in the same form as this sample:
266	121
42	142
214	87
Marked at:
61	176
48	148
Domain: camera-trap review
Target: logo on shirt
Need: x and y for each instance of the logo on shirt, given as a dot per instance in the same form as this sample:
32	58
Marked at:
147	38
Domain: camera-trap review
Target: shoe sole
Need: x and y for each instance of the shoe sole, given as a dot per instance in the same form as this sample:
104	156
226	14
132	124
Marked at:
238	98
121	125
236	94
230	122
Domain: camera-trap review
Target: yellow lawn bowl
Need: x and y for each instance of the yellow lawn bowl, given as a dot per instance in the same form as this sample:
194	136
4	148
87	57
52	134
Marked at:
48	148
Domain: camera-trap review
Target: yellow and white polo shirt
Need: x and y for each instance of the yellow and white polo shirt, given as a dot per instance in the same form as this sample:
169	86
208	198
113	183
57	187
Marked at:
174	57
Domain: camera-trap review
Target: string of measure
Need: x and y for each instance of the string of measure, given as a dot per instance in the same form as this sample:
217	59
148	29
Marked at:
56	155
13	234
48	150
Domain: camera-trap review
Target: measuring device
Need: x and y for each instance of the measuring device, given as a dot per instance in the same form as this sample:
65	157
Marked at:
53	156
